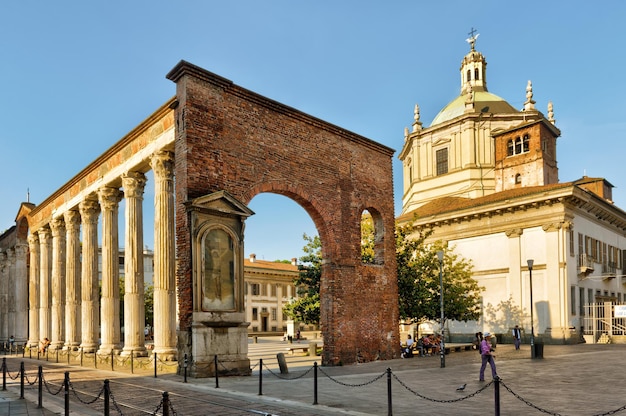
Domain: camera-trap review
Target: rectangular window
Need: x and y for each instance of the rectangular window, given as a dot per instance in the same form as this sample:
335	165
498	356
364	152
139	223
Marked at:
573	299
571	242
255	314
274	314
255	289
274	290
581	244
442	161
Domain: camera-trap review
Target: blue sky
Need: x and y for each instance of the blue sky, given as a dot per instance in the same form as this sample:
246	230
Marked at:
77	76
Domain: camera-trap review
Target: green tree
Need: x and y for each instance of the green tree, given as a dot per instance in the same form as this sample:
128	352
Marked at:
418	279
306	308
367	238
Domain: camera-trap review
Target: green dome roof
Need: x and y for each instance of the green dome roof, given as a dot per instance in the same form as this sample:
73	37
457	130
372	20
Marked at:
483	102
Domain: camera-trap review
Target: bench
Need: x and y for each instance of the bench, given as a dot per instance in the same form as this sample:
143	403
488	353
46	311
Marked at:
458	346
303	348
299	348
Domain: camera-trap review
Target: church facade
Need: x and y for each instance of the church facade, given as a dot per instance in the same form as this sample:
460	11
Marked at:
484	177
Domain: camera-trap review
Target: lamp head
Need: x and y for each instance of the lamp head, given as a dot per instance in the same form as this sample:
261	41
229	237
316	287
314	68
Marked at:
440	255
530	263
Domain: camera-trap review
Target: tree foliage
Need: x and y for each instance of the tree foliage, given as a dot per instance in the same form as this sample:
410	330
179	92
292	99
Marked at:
306	308
419	280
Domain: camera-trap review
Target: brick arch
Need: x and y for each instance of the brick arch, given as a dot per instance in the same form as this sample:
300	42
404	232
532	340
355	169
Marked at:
234	140
296	193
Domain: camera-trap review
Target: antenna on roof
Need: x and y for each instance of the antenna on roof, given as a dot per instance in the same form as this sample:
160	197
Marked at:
27	195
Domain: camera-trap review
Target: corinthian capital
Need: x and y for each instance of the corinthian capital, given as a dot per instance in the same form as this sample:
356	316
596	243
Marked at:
89	210
72	220
109	198
57	225
162	163
133	184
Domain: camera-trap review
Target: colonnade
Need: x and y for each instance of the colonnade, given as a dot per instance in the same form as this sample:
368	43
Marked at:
68	305
13	292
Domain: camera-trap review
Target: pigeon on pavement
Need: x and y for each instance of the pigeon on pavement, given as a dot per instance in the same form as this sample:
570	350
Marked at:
461	388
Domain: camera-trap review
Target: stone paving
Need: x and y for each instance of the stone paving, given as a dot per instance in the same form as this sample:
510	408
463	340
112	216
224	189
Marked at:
581	379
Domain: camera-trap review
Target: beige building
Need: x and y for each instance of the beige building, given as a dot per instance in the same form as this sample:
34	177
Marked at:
269	286
484	176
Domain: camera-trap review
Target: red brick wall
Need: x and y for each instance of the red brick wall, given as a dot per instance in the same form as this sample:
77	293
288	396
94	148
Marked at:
232	139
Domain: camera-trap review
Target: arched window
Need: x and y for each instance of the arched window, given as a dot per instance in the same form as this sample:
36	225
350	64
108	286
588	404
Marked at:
509	150
372	232
469	75
526	143
476	74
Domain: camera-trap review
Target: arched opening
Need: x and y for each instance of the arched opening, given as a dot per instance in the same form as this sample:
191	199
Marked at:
476	74
274	257
372	249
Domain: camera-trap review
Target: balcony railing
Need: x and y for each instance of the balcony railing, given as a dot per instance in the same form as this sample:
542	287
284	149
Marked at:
585	262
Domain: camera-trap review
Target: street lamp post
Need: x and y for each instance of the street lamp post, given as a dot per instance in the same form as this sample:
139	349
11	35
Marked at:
443	336
532	321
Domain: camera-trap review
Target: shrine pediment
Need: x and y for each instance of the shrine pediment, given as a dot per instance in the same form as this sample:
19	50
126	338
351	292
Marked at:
220	202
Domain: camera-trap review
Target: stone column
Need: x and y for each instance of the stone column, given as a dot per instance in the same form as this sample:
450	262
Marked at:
33	293
44	283
11	292
4	296
134	312
72	281
21	293
57	226
162	164
110	303
89	210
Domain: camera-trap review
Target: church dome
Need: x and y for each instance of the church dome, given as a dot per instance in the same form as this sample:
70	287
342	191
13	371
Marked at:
474	97
484	101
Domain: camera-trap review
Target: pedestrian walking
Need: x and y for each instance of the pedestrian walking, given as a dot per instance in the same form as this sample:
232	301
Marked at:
487	357
517	337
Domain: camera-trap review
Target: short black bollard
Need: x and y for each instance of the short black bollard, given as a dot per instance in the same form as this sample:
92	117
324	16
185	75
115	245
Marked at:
40	388
166	404
496	395
260	376
66	392
107	393
22	380
155	364
185	364
132	370
4	374
315	382
217	380
389	408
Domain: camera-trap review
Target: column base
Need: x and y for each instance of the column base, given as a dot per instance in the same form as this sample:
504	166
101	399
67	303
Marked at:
108	349
89	348
136	352
166	354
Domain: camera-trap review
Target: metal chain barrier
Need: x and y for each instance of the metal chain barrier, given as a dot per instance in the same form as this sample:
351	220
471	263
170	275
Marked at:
353	385
28	381
286	378
172	411
483	388
158	408
85	401
16	374
520	398
117	407
47	386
